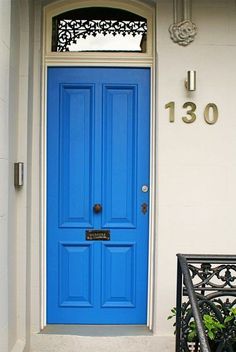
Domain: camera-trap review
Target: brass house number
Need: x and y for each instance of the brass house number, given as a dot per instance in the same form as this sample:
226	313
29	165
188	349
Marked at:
210	112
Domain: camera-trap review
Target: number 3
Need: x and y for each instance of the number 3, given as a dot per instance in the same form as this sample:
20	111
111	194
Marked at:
191	115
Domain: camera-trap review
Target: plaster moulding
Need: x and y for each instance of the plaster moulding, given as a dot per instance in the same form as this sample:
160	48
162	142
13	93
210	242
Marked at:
137	7
183	30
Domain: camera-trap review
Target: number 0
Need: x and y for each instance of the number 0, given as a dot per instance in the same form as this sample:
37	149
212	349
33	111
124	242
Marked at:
214	115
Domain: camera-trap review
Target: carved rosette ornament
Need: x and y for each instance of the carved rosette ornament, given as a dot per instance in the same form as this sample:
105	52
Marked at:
183	30
183	33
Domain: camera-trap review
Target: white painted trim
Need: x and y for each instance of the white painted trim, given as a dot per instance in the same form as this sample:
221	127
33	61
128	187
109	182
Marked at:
152	201
19	346
43	318
150	308
101	60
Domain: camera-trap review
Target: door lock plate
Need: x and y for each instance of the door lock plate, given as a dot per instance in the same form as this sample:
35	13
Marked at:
144	208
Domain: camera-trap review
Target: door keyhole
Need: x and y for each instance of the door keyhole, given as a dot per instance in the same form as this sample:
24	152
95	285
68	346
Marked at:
144	208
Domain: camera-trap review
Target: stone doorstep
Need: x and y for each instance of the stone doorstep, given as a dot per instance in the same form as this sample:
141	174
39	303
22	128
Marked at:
54	342
97	330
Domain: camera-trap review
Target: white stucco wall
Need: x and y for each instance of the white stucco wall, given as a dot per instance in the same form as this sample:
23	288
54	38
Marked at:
196	166
196	162
12	199
14	76
4	167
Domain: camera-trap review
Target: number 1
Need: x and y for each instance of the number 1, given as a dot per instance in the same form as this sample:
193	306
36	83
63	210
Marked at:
171	106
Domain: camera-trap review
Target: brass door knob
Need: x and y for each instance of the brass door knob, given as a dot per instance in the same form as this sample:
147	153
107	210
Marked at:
97	208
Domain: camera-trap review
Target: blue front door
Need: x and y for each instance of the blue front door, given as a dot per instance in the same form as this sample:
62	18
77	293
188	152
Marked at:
97	207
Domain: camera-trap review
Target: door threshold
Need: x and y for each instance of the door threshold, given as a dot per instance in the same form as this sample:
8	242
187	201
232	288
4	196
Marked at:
97	330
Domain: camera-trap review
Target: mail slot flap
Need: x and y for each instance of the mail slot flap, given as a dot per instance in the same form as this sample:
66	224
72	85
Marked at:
98	235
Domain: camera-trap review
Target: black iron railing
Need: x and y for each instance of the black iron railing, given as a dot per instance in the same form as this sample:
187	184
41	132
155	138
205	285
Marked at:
206	289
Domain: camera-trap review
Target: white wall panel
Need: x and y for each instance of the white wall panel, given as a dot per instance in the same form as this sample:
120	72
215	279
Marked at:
4	103
196	162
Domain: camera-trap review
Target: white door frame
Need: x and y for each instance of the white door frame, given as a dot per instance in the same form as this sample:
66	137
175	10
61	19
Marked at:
102	60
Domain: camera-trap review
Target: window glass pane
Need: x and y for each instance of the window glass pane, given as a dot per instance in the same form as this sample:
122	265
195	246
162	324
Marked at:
99	29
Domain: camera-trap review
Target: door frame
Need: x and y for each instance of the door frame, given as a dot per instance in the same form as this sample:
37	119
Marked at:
147	60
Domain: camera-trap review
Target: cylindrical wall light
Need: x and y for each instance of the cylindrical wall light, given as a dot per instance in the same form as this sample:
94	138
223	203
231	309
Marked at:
190	82
18	174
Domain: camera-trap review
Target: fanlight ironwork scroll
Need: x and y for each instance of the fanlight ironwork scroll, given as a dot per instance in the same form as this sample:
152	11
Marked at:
67	30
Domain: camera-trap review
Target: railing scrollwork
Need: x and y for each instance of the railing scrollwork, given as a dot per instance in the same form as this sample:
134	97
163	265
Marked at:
206	289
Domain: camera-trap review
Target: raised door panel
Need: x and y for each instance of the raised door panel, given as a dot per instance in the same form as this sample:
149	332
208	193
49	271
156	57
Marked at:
119	155
76	140
75	275
118	270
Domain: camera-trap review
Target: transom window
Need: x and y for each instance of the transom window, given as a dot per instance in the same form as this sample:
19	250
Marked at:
99	29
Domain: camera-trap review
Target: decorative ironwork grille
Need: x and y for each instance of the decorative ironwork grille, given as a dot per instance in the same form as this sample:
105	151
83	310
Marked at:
211	283
68	29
